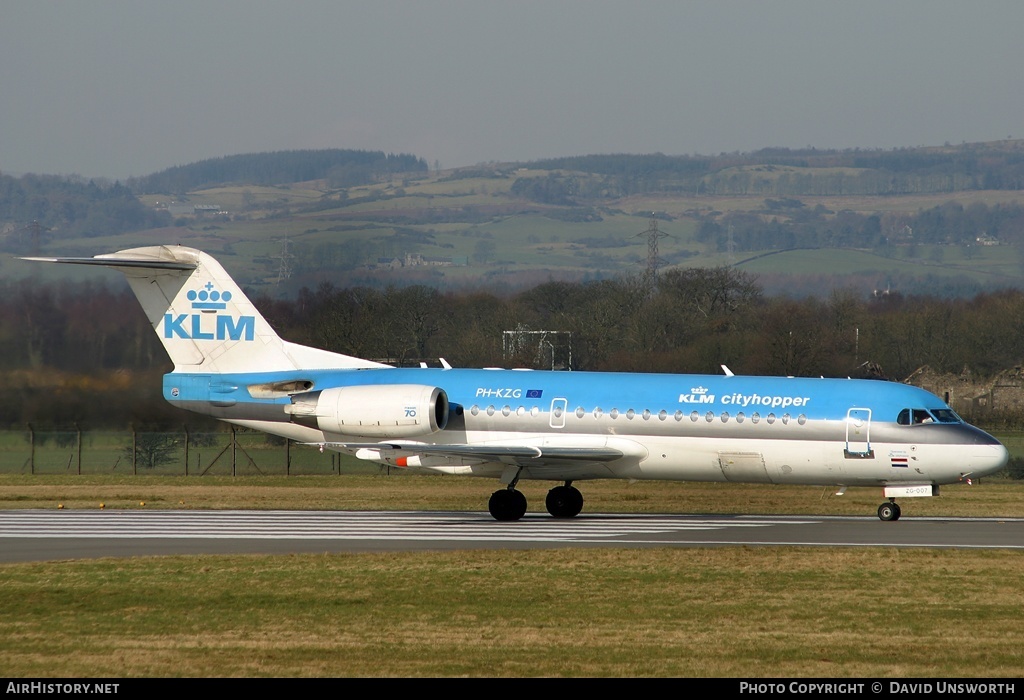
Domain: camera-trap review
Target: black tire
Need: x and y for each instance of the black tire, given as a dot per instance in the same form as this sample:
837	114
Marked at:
507	505
564	501
888	512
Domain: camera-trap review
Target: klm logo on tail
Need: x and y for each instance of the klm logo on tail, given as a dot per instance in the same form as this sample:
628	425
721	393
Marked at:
208	324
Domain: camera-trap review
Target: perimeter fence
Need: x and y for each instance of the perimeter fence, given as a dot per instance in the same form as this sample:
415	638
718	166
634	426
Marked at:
234	453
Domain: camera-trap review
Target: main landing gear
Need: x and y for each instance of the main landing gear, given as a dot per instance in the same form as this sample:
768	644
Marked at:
889	511
562	502
507	504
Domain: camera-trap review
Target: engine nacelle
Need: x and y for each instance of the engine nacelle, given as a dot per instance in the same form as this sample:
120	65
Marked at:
376	410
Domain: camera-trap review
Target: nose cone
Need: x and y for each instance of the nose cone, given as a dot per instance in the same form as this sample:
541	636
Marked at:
989	459
984	454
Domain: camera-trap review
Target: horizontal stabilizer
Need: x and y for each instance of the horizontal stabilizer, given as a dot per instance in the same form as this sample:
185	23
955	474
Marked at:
111	261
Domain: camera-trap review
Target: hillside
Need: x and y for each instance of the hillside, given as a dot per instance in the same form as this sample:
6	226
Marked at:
947	220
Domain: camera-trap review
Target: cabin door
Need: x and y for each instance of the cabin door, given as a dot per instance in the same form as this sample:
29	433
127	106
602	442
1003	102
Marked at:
858	433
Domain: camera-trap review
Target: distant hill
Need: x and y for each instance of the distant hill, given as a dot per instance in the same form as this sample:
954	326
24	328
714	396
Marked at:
344	168
946	219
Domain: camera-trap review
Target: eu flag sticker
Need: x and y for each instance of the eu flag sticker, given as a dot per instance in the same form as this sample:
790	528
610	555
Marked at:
534	393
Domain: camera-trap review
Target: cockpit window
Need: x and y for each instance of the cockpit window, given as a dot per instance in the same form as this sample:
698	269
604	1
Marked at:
945	415
919	416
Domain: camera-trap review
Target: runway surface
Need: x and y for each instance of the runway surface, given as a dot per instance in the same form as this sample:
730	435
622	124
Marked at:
46	535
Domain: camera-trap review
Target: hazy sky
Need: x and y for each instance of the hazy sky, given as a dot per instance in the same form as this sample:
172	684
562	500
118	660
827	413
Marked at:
115	88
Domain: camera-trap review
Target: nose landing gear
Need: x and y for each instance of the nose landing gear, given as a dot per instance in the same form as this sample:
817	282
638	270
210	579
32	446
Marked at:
889	511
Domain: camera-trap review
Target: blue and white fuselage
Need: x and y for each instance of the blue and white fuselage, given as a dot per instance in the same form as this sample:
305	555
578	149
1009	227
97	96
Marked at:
560	426
676	427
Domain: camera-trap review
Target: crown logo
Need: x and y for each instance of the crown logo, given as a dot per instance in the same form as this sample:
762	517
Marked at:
208	298
699	390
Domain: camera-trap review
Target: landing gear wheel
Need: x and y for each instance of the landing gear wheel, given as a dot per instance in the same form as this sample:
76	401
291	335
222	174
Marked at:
507	504
564	501
889	511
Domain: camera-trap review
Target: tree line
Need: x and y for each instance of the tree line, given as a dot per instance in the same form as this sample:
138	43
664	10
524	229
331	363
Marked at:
342	167
770	171
85	354
39	208
786	223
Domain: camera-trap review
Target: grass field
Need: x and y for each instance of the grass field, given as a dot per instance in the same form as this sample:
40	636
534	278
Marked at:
662	612
729	612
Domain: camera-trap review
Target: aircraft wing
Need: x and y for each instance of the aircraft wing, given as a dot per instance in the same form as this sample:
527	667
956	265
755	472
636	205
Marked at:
523	455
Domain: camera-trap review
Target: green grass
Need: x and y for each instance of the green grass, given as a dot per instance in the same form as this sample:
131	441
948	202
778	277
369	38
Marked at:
988	265
728	612
567	612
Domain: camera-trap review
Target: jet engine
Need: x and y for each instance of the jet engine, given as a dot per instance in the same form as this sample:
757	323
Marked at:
376	410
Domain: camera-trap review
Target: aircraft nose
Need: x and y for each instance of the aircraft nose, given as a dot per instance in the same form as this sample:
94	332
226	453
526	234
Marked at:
990	459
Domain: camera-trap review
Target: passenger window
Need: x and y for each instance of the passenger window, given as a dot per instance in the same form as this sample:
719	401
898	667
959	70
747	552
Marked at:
580	412
630	413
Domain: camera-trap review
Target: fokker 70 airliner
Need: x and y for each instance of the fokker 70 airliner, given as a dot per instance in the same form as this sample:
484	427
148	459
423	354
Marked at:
557	426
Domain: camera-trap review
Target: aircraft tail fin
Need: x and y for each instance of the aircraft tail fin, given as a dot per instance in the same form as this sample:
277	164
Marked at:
202	317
